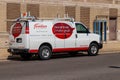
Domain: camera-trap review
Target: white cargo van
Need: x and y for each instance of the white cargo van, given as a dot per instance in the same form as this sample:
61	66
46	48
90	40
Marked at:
30	36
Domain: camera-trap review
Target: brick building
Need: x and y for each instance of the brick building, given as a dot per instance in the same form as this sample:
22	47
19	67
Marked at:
86	11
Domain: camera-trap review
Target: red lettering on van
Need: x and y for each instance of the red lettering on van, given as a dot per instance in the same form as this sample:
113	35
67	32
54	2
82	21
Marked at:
17	29
39	26
62	30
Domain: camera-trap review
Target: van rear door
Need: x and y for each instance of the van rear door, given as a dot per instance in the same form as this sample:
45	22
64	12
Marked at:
19	35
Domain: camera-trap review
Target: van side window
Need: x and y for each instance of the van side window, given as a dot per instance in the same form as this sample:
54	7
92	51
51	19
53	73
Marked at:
81	28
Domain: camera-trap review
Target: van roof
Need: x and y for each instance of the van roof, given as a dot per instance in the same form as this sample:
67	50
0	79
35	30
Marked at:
32	18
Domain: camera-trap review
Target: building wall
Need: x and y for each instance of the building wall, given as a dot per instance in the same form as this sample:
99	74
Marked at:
99	14
51	11
85	11
101	1
85	16
118	24
13	12
2	17
33	9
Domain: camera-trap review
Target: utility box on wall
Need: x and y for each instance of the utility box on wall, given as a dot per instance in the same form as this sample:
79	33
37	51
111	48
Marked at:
100	27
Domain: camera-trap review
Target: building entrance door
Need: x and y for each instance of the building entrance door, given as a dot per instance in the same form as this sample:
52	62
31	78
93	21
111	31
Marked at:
100	27
113	29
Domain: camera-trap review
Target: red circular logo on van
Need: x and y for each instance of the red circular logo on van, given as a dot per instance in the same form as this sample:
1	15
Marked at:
62	30
16	31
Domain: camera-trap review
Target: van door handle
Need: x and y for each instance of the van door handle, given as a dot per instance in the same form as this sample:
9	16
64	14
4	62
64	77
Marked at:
76	36
65	36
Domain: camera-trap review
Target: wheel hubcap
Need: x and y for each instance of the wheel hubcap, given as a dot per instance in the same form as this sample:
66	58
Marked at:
45	53
93	50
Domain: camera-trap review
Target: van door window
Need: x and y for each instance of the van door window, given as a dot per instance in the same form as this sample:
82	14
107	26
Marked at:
81	28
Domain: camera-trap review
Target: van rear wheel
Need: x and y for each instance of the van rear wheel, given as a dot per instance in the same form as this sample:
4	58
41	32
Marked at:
45	52
93	49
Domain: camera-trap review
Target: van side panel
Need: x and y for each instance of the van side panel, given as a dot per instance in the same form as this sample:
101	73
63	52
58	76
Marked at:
40	32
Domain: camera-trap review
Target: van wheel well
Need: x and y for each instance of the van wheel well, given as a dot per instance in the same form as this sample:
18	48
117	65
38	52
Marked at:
46	44
94	43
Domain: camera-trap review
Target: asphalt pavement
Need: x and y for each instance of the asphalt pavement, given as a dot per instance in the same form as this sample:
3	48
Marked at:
63	67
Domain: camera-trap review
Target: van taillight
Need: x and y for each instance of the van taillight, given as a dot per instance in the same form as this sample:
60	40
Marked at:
27	30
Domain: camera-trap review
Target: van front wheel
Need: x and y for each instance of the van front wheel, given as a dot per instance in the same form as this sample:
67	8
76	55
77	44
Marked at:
93	50
45	52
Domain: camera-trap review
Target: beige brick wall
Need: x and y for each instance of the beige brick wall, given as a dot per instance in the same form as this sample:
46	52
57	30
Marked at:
2	17
51	11
101	1
85	16
3	40
33	9
118	23
23	8
77	14
98	1
113	12
70	10
79	0
117	2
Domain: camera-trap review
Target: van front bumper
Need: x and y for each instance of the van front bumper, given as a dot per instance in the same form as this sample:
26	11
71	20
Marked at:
18	51
100	45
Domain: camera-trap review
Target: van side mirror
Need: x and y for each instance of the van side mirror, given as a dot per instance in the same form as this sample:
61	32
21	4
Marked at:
88	30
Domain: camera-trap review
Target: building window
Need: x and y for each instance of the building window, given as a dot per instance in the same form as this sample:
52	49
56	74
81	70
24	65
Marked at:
70	10
33	9
13	12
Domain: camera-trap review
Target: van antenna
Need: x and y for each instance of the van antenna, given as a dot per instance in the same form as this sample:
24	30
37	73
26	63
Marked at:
66	15
29	13
58	16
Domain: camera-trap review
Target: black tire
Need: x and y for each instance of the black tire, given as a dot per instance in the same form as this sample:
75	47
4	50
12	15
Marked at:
45	52
26	56
93	49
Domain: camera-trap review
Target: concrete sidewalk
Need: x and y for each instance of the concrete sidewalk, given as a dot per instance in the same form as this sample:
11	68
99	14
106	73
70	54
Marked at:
109	47
4	54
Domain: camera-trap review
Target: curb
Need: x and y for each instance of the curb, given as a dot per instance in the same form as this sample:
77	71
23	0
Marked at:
107	52
7	56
